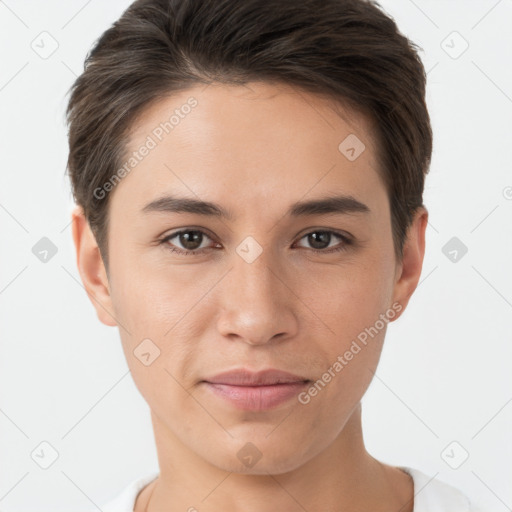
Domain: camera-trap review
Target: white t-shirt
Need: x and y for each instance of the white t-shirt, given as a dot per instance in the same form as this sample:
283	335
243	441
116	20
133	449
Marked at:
429	495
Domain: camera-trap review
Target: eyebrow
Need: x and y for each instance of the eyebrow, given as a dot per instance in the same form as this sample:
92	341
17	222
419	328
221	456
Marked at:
339	204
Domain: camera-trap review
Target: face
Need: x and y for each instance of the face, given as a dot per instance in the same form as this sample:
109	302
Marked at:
306	289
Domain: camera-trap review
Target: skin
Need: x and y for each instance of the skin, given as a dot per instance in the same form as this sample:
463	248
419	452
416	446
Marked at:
255	150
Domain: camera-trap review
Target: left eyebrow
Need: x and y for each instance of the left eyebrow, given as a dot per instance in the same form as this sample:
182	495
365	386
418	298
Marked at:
340	204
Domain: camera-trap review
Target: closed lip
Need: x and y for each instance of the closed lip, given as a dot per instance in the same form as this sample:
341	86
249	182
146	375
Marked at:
244	377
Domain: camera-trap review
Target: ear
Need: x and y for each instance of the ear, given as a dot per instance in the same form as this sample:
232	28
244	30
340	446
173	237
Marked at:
408	271
91	268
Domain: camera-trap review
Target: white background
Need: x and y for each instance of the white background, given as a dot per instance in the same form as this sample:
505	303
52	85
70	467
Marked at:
444	374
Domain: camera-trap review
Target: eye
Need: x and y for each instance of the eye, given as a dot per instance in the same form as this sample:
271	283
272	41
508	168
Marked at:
190	239
321	239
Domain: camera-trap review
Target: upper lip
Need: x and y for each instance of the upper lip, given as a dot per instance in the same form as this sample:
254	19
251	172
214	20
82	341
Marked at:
243	377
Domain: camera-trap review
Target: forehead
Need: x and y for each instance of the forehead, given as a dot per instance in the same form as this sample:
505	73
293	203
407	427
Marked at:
252	143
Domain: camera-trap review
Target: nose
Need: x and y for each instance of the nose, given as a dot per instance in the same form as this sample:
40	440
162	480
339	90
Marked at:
258	303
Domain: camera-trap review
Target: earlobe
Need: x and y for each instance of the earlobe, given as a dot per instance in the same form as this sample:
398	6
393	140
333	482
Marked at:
409	271
91	267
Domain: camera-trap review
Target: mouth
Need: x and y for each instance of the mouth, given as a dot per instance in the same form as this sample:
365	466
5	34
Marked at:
256	391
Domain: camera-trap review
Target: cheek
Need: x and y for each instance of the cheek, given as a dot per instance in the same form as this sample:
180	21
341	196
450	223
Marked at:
151	299
350	358
350	298
161	310
353	306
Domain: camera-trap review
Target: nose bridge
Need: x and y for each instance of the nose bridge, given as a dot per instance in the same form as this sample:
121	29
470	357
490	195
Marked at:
255	269
255	304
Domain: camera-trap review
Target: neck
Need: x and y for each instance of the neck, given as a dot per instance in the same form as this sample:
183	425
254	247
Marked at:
342	477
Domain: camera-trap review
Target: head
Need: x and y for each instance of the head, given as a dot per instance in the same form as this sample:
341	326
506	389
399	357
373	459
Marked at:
259	111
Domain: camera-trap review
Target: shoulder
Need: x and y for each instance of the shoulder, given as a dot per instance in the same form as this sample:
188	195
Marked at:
124	501
431	494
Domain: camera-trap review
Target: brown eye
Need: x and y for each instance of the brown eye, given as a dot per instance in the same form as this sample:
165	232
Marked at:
190	241
320	241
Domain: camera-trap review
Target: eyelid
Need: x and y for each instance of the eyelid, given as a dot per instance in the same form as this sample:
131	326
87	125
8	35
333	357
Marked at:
186	229
318	229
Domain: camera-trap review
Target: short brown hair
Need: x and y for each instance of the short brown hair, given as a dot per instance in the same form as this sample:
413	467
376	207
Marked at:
349	50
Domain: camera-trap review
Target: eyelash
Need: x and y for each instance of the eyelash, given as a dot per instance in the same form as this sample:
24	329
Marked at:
184	252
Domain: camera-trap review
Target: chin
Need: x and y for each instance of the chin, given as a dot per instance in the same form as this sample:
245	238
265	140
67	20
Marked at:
261	456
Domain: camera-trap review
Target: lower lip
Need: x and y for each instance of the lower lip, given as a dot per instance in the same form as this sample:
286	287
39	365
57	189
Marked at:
257	398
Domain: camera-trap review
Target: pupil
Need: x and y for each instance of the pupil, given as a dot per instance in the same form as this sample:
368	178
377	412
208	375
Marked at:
324	239
185	240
